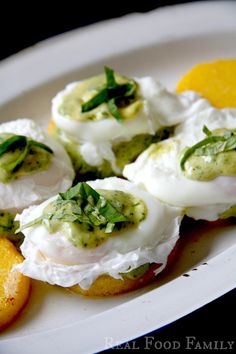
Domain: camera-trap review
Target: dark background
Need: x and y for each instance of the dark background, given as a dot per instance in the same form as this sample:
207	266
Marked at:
22	25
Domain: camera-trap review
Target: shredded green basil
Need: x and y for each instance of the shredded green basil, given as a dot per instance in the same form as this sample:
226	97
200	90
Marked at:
210	146
40	145
114	94
24	144
81	204
14	142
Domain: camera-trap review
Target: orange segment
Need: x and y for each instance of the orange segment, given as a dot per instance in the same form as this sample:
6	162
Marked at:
215	81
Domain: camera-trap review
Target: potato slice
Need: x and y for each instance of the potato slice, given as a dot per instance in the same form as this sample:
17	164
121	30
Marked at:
215	81
105	285
14	287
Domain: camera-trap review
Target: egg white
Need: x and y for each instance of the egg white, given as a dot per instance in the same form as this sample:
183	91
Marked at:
161	108
52	258
161	174
190	130
39	186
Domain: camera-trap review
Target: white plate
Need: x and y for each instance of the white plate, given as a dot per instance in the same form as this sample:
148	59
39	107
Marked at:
163	43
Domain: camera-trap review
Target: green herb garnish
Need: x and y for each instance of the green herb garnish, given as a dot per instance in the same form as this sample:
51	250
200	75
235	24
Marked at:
210	146
14	142
114	94
11	144
81	204
22	143
40	145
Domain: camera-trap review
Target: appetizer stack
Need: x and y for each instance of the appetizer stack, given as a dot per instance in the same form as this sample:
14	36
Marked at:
33	167
100	200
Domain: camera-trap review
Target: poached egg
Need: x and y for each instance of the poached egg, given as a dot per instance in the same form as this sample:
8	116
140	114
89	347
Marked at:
159	109
158	169
51	257
38	186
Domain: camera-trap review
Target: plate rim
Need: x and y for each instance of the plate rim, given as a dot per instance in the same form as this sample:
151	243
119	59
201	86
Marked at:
181	16
17	64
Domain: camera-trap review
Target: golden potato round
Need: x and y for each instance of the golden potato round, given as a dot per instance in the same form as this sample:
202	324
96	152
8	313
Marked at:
14	287
105	285
215	81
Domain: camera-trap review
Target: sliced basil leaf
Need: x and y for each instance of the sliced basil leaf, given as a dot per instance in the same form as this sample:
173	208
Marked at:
230	143
113	109
71	193
192	149
111	214
95	101
89	191
110	77
213	148
210	146
206	131
19	142
124	90
83	204
130	89
40	145
14	166
228	133
111	93
30	224
12	143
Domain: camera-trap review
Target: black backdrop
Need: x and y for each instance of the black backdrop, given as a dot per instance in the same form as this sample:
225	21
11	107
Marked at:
22	25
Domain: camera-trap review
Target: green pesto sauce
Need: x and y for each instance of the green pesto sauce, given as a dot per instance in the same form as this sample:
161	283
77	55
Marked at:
84	91
37	159
231	212
161	148
84	235
137	272
221	131
7	224
8	228
125	152
206	168
83	170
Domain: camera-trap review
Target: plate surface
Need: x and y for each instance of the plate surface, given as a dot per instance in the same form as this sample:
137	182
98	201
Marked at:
164	43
